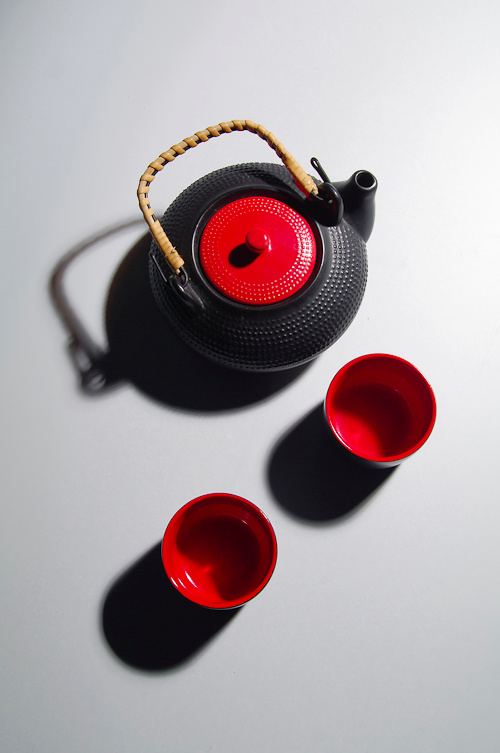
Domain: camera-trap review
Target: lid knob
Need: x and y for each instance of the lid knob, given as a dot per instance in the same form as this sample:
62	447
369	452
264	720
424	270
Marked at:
257	240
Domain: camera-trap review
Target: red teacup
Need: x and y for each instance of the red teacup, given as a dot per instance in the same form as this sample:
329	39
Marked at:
219	550
381	409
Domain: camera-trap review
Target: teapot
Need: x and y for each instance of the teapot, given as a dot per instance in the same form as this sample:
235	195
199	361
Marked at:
257	266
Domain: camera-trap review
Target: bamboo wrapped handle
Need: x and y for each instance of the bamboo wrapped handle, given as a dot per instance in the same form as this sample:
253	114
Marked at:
303	180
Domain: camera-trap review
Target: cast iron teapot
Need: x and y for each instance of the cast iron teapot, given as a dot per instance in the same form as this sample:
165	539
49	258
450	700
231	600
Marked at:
255	265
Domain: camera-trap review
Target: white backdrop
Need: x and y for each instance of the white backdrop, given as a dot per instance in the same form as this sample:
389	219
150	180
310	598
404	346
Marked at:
379	629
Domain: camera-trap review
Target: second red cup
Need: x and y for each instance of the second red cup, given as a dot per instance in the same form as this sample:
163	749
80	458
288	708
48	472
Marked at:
219	550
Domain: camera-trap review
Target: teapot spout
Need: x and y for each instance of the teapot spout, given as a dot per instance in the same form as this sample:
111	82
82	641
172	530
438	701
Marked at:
358	195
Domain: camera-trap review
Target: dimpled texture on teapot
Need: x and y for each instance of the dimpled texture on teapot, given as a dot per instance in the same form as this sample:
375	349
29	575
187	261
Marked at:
260	338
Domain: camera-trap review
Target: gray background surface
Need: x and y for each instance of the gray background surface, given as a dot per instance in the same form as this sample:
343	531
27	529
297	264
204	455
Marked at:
379	629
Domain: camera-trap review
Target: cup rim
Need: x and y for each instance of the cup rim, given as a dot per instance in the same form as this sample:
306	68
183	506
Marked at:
173	528
338	378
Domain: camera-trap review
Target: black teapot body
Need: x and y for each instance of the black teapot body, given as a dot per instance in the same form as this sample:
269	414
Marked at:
224	319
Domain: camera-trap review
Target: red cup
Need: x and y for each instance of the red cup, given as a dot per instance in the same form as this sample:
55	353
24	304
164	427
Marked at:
219	551
381	409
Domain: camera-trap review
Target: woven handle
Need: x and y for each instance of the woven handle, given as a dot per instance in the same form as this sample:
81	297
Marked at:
304	180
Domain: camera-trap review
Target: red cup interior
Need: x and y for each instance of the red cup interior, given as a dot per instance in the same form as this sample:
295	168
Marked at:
219	550
380	407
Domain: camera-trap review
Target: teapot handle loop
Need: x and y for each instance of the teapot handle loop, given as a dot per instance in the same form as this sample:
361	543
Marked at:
302	179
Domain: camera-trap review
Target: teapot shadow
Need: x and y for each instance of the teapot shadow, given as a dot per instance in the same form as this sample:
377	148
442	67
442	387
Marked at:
313	480
150	355
149	625
143	349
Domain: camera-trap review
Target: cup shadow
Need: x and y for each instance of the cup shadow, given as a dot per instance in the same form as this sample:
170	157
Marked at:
143	350
313	480
149	625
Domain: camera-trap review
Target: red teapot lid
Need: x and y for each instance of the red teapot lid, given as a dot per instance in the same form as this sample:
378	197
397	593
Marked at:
258	250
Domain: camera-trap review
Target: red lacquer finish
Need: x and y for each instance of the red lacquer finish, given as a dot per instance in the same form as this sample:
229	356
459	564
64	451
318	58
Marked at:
258	250
219	551
380	408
